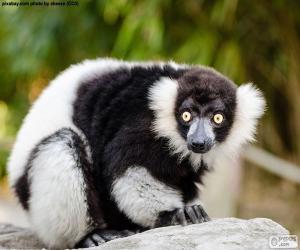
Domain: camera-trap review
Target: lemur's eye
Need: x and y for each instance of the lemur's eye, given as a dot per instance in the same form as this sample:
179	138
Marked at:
218	118
186	116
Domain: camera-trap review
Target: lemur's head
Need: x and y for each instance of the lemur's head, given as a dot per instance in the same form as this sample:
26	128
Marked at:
203	113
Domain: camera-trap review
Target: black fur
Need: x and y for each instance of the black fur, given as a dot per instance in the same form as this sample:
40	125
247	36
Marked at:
22	189
113	112
78	148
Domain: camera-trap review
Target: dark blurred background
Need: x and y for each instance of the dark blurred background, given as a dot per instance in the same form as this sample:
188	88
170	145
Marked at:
249	41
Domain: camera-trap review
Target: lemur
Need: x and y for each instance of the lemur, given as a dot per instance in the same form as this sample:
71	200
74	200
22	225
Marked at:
111	148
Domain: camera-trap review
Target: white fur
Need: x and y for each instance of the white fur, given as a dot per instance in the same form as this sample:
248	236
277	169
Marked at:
58	210
141	197
250	107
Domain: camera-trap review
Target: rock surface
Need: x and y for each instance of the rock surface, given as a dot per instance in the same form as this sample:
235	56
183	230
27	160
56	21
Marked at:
229	233
12	237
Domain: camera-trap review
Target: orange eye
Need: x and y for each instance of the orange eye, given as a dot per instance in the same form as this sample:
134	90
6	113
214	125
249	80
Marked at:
218	118
186	116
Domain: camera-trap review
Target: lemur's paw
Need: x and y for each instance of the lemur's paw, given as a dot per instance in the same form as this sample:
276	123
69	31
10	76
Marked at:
182	216
196	214
100	236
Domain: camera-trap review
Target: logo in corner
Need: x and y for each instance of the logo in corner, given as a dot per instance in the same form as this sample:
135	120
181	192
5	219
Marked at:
283	242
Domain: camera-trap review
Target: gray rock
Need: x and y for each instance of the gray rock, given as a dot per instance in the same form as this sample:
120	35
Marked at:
229	233
12	237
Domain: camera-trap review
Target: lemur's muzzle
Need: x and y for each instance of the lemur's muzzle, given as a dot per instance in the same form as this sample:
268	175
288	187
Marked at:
200	137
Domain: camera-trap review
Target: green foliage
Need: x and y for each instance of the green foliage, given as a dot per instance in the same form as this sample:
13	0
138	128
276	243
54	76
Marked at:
247	40
3	159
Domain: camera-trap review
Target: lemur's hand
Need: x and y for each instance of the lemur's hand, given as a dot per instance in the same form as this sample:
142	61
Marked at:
182	216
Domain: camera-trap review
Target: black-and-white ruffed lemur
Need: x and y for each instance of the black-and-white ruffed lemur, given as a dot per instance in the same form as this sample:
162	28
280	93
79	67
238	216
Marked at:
113	147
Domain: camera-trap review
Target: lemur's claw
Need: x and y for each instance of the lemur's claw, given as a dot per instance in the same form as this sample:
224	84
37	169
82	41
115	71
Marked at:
100	236
193	215
198	212
183	216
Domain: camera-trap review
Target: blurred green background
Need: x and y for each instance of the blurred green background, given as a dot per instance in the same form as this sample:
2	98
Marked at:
251	40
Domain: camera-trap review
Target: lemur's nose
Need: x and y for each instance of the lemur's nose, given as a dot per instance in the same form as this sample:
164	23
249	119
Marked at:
198	145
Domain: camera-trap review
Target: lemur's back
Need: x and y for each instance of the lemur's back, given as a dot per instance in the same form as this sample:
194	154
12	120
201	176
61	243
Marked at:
53	110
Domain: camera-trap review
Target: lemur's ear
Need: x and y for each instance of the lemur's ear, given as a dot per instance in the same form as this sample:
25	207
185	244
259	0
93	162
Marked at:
250	106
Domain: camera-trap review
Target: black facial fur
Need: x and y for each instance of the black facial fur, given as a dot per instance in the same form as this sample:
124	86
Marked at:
204	93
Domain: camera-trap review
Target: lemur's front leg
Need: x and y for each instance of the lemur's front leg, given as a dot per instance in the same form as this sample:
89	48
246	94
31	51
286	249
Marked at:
182	216
150	203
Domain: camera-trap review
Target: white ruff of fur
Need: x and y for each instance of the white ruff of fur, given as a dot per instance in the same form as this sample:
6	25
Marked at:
162	97
141	197
250	107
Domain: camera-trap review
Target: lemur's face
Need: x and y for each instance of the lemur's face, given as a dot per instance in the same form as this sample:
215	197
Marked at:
203	115
204	109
